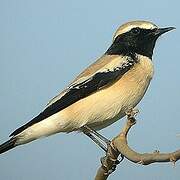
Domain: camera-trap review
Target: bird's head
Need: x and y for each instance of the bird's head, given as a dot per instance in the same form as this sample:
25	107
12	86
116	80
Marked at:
137	37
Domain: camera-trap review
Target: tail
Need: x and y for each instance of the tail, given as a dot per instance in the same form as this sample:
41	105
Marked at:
7	145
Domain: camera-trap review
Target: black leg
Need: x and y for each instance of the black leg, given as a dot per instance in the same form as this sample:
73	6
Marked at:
102	138
96	141
94	136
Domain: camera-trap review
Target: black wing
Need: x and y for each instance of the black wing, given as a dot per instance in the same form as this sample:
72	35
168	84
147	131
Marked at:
81	90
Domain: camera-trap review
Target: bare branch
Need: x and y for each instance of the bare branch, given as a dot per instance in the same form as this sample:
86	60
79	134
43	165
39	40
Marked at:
119	146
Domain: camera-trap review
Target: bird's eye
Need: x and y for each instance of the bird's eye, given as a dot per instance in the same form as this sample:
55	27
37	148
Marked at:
135	31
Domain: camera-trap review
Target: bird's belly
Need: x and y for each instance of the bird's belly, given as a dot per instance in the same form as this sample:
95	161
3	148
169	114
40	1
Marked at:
127	96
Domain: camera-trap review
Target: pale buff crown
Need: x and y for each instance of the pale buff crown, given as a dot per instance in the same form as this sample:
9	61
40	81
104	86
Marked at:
133	24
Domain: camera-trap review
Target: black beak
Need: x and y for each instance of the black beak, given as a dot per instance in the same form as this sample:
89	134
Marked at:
161	31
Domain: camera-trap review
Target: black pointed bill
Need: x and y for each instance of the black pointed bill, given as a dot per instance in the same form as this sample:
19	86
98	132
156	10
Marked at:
161	31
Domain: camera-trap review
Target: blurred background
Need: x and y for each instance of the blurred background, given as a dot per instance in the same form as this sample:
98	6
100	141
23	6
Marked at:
43	46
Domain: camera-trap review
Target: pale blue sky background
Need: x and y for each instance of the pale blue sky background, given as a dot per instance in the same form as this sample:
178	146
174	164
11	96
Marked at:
43	45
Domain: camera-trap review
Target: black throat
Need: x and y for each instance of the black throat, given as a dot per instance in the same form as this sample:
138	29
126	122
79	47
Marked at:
121	49
129	45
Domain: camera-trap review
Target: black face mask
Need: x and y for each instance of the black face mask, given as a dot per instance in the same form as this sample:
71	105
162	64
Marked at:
137	40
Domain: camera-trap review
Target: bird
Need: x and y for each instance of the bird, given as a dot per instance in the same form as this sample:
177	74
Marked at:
103	92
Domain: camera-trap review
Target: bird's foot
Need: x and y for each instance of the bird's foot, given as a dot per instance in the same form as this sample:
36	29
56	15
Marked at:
109	162
131	113
106	169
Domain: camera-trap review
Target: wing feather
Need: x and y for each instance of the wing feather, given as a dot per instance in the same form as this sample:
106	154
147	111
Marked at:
83	86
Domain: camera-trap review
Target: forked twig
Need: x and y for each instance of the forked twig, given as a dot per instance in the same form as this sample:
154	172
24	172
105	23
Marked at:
119	146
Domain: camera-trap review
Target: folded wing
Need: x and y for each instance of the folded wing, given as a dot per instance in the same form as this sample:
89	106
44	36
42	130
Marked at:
83	87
